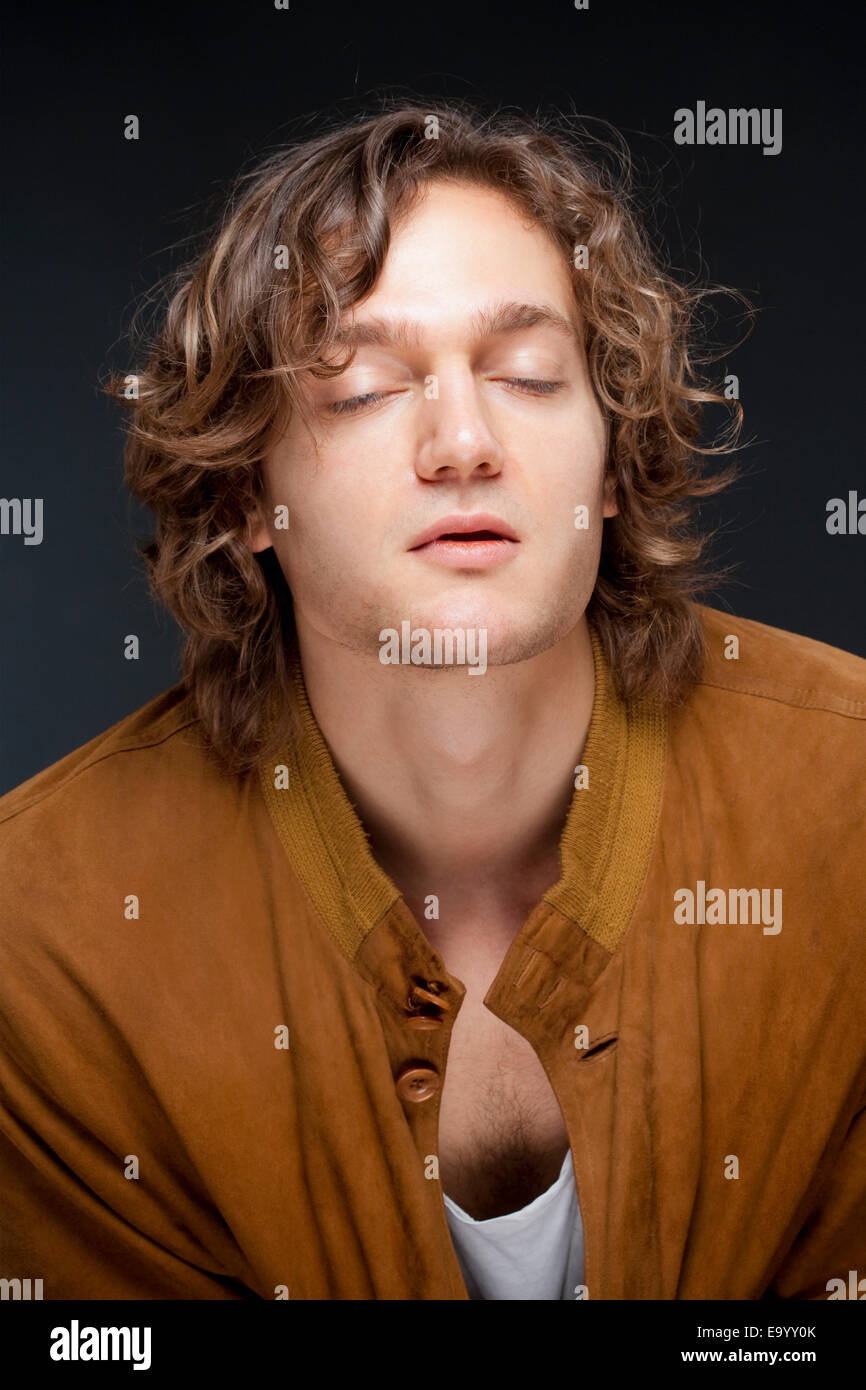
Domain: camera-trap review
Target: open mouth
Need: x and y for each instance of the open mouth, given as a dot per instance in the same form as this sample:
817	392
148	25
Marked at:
456	542
468	537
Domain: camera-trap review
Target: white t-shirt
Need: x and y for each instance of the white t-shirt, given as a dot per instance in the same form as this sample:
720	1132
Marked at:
533	1253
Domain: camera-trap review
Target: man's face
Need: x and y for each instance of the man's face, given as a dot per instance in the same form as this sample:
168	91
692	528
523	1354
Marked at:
460	409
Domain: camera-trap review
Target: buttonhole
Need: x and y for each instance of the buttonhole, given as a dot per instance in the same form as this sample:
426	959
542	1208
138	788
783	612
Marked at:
597	1048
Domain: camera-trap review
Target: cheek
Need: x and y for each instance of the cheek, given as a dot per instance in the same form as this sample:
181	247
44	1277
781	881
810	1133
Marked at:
334	527
567	468
349	500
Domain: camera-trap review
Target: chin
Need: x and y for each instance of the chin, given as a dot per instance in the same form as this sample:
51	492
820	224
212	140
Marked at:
511	636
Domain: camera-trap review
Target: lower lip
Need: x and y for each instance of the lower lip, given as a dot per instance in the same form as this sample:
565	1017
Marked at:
470	555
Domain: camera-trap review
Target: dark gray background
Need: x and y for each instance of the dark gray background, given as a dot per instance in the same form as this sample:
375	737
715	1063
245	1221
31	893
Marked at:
91	219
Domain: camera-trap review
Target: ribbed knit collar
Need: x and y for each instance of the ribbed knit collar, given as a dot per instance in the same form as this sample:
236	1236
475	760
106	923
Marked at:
605	844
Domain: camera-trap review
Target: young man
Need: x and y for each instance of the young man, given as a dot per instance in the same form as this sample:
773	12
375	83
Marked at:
480	917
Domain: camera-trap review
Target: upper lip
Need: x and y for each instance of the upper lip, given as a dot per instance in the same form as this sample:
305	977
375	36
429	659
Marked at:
462	522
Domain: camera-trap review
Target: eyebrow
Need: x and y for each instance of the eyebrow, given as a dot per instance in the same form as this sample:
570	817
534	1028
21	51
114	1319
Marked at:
510	316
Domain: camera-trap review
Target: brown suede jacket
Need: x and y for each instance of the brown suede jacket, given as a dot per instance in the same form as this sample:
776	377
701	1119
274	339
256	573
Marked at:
210	994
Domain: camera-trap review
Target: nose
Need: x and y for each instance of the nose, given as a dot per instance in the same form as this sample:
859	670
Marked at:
457	441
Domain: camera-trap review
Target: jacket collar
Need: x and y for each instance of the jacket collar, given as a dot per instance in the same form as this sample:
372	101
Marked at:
605	844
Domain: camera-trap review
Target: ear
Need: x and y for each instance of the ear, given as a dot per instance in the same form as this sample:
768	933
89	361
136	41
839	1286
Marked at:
610	507
256	537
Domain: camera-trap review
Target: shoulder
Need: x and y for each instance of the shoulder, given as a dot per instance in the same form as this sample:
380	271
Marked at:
163	735
139	793
767	761
772	742
126	863
765	773
754	667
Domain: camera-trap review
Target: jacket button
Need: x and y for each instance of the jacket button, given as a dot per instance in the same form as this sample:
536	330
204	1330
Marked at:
418	996
423	1021
417	1083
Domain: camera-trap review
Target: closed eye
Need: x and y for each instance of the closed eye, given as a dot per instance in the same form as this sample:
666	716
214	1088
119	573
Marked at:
348	407
539	388
530	385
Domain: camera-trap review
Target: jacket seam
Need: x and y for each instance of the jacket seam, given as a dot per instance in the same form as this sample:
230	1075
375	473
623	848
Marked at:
798	698
39	797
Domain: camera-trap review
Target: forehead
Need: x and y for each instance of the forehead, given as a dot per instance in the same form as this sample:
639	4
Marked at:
461	248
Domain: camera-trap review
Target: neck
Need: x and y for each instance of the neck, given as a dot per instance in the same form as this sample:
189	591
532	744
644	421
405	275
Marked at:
463	783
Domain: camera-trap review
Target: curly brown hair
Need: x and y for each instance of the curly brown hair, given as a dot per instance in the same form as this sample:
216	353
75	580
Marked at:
302	239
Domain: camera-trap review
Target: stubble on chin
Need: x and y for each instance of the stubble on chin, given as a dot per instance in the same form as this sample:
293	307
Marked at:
517	629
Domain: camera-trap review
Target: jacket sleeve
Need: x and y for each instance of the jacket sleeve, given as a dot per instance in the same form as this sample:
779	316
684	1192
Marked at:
53	1228
831	1245
75	1103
